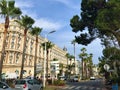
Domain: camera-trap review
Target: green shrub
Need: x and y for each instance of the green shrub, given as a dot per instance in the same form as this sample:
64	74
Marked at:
10	82
59	82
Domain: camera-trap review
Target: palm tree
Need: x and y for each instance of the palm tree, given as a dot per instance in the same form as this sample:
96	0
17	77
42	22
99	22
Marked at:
71	64
26	22
82	55
73	42
90	65
7	10
67	56
36	31
49	45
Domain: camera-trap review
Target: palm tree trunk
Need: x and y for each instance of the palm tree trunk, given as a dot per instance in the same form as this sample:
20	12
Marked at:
70	66
74	59
23	54
35	56
3	46
82	69
85	71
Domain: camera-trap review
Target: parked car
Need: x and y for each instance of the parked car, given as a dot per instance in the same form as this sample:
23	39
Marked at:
62	78
92	78
28	84
74	78
4	86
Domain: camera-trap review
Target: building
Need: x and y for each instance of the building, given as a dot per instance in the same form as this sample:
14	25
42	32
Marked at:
14	47
55	69
96	70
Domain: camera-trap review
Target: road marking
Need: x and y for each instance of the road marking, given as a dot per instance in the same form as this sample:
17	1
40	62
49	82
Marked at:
71	87
98	89
66	87
78	87
91	88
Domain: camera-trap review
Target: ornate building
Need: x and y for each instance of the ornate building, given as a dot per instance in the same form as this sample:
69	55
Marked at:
14	47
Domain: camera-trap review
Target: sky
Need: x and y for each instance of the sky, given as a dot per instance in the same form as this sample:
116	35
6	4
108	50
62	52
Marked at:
55	15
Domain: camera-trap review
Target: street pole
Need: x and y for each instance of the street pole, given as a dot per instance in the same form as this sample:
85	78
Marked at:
44	74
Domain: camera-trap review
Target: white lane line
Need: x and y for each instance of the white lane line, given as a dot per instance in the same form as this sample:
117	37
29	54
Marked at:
71	87
78	87
66	87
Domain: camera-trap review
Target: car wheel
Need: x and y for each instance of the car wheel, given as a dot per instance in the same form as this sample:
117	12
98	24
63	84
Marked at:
41	88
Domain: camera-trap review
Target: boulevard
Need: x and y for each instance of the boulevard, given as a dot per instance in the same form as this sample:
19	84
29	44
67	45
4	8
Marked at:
84	85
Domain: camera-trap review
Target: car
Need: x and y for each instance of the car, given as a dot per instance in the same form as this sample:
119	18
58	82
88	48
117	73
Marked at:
62	78
28	84
4	86
92	78
76	78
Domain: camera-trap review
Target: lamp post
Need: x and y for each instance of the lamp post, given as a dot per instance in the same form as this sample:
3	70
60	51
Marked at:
44	75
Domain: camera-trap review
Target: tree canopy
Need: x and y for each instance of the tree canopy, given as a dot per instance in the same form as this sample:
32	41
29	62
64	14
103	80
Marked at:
98	18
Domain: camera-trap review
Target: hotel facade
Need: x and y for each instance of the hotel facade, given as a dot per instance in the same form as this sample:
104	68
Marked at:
14	49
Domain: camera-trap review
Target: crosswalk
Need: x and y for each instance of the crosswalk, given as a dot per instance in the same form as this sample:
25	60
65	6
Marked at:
80	88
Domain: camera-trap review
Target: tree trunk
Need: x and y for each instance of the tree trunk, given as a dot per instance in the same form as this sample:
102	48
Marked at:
4	45
23	54
74	60
82	69
70	66
35	56
85	69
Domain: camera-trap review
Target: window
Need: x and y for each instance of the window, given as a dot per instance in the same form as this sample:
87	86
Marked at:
3	85
17	58
12	45
20	82
18	46
4	57
0	35
10	61
10	58
13	40
30	82
36	82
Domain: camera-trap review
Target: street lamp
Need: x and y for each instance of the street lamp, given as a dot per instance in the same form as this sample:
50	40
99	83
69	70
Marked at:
44	75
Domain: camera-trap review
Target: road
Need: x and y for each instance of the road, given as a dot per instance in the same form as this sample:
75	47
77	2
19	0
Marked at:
84	85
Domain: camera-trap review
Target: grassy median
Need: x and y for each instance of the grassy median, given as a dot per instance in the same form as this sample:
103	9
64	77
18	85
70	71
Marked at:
50	88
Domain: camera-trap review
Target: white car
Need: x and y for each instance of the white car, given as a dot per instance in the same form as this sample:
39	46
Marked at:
76	79
4	86
92	78
28	84
62	77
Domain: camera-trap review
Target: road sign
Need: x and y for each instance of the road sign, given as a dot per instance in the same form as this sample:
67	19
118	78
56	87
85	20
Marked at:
106	67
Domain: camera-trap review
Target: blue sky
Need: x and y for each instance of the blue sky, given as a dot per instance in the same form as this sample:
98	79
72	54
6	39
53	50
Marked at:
55	15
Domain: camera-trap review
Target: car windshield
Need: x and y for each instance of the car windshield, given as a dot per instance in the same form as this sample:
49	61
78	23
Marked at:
20	82
76	76
2	85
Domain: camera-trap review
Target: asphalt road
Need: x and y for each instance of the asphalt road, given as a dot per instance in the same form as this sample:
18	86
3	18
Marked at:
84	85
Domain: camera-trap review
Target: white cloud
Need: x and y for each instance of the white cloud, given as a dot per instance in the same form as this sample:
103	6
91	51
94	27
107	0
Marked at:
24	4
47	24
70	3
27	12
